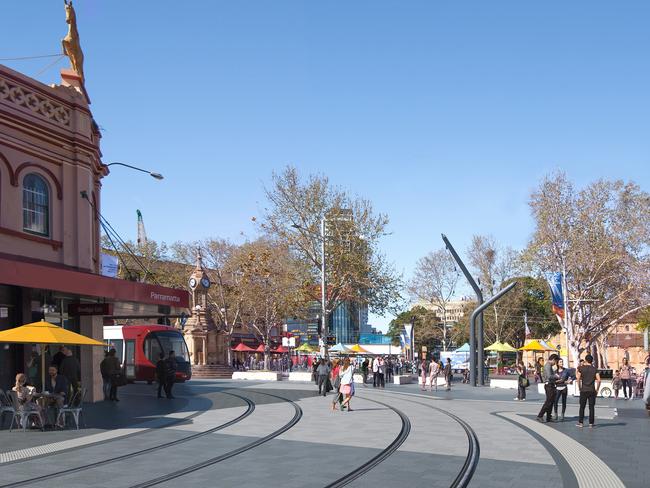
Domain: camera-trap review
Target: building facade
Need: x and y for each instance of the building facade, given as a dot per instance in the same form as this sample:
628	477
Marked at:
50	198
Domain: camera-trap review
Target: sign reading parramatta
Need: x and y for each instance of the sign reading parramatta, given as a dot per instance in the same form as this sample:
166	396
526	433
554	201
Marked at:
166	298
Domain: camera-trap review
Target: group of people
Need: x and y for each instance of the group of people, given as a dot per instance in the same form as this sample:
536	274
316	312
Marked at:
431	370
337	375
556	379
53	396
166	373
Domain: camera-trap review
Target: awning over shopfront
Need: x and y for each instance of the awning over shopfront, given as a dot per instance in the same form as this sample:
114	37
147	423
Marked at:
33	275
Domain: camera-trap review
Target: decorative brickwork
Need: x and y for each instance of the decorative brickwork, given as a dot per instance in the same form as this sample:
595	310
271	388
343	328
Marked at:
34	102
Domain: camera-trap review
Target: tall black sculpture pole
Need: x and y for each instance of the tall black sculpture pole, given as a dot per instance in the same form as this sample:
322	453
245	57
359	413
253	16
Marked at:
479	311
472	326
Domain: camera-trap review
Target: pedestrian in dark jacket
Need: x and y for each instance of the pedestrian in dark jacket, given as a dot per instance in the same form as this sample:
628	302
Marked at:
71	369
170	373
112	368
161	374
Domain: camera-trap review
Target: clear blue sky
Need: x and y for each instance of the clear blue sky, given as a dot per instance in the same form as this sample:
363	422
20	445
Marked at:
445	114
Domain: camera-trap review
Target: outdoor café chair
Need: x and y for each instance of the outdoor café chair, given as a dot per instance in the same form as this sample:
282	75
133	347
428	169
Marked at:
21	417
6	407
74	408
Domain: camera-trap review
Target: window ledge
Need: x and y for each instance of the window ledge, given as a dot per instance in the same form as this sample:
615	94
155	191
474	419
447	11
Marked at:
31	237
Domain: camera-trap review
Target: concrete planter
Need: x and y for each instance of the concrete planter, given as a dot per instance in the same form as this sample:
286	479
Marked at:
300	376
257	375
507	384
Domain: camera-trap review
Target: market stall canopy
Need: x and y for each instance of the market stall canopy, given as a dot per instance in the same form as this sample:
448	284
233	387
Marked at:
280	350
340	348
359	350
241	347
260	348
306	348
463	348
508	348
536	345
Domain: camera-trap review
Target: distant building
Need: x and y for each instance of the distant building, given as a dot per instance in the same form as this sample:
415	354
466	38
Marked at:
455	309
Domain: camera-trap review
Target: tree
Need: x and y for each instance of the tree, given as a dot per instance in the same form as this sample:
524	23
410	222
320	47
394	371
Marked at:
434	283
273	286
147	262
644	320
424	331
355	269
494	266
599	237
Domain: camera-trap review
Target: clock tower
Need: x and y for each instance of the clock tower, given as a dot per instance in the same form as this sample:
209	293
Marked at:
204	341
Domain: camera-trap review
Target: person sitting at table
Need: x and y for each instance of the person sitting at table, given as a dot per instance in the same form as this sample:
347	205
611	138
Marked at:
57	385
25	396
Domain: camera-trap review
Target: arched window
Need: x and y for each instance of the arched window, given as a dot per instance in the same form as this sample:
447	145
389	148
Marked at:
36	205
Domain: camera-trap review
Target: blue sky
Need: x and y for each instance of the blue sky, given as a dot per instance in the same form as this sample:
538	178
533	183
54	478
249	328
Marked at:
445	114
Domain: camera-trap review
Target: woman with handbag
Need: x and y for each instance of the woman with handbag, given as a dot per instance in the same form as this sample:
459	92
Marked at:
522	381
336	383
347	383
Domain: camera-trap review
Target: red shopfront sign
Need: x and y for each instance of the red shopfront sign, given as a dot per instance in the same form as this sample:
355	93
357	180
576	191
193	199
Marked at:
33	275
79	309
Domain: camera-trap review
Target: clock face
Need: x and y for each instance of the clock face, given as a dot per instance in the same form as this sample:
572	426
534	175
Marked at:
205	282
192	282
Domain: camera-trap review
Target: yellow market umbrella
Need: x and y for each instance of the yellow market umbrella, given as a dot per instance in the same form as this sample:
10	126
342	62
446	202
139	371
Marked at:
535	345
508	348
497	346
306	348
45	333
358	349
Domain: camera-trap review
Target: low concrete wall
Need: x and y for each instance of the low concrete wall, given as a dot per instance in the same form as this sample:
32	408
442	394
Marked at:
502	383
300	376
404	379
257	375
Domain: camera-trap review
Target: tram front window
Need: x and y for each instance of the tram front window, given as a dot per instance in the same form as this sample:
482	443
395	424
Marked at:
173	341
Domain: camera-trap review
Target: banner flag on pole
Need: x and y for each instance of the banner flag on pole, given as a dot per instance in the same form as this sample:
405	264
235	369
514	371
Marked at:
555	282
407	334
402	342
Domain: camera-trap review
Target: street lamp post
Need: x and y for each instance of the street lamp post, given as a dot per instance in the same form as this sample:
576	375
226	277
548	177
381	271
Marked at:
155	175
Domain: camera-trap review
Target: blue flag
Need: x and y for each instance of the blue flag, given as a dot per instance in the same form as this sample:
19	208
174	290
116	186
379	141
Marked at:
555	282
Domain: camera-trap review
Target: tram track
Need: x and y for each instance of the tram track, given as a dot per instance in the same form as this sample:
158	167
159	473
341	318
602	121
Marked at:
381	456
466	472
249	410
217	459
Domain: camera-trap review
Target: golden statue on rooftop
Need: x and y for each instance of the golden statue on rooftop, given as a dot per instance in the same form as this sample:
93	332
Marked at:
71	45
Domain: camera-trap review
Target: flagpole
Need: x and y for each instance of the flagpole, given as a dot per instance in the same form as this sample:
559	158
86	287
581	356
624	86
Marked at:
565	297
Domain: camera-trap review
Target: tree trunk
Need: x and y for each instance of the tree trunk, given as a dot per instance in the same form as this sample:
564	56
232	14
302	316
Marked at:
267	355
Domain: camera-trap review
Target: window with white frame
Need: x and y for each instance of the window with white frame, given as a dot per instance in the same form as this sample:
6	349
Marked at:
36	205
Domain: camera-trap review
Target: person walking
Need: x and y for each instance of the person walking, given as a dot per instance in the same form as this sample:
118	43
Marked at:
336	383
347	383
423	374
434	371
522	381
161	374
549	377
448	374
626	379
562	388
106	376
71	369
170	374
381	373
112	368
364	371
375	372
323	371
616	383
589	384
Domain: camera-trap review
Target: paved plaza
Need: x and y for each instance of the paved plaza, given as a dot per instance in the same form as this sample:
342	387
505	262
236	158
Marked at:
227	433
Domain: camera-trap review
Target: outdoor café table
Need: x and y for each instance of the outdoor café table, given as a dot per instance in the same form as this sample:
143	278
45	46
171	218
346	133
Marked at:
47	401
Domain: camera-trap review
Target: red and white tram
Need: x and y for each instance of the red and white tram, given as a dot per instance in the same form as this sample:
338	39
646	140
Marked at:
139	346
